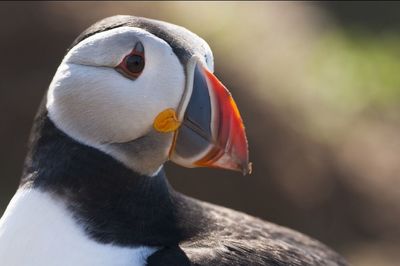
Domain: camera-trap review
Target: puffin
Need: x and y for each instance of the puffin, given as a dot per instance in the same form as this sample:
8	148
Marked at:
130	94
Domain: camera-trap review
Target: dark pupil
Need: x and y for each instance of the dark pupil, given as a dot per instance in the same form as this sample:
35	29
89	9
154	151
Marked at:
135	63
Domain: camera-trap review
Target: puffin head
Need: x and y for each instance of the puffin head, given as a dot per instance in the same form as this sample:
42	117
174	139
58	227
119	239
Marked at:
143	91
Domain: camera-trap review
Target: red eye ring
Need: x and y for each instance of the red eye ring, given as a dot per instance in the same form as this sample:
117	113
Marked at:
133	64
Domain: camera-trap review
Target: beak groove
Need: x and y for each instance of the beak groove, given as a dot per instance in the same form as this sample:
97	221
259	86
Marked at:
212	133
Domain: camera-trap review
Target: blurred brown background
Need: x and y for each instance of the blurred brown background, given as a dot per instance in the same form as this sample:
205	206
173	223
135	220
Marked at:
318	86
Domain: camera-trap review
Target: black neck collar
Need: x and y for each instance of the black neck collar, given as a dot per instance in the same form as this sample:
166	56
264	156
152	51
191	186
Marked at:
113	203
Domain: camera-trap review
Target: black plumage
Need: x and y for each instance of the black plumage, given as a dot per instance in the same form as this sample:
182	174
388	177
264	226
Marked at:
116	205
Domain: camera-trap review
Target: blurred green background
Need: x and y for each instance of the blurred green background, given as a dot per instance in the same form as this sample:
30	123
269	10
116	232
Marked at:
318	87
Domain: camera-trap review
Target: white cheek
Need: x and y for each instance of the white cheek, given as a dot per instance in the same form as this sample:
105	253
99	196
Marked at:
85	102
106	48
97	104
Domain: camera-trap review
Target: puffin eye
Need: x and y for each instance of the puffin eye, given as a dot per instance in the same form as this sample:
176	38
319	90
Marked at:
133	64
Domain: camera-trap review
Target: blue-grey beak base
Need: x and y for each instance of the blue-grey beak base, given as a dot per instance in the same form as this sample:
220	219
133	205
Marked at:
195	135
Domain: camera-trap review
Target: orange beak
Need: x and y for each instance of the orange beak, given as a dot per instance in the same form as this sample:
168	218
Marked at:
212	133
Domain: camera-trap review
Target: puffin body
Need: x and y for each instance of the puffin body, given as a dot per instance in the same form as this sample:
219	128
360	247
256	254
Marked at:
130	94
